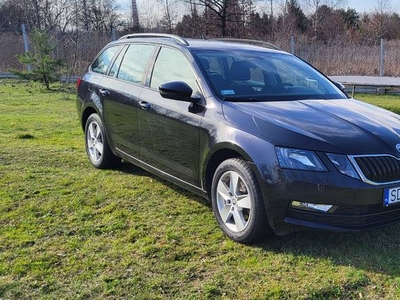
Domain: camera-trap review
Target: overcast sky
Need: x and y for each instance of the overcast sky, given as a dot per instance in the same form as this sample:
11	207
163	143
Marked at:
369	5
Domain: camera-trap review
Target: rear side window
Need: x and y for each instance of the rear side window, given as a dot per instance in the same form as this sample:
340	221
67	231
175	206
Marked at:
117	62
134	63
104	60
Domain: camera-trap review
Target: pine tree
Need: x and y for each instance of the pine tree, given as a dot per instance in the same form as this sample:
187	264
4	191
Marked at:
44	67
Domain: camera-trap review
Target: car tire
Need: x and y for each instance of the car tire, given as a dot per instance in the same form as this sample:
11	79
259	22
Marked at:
237	202
96	143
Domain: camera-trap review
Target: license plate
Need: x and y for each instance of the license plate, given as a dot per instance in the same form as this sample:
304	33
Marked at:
391	196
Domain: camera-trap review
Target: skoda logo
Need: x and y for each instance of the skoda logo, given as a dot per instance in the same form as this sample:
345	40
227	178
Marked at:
398	147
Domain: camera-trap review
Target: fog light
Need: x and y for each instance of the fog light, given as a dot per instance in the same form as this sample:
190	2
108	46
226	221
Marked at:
313	207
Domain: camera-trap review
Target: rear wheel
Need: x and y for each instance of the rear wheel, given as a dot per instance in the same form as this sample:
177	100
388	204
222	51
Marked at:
237	202
97	148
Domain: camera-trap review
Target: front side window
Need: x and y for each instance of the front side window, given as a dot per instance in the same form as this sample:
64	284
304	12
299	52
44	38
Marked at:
172	65
104	60
135	62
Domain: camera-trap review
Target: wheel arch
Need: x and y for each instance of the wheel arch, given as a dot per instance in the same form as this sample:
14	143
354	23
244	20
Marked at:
227	150
223	152
85	115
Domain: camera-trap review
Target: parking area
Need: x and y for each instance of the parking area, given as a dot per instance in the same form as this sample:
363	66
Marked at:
368	84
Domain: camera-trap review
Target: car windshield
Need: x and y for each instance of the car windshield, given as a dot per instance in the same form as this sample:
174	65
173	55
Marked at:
243	75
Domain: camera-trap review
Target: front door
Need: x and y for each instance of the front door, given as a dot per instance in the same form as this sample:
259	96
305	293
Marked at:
169	129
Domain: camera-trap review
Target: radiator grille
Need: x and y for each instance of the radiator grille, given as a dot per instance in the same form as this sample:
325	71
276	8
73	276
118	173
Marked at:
379	169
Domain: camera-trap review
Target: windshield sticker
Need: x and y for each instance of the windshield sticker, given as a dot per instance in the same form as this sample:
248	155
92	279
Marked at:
227	92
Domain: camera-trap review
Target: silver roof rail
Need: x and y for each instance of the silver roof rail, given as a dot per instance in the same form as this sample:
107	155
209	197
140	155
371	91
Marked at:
251	42
173	37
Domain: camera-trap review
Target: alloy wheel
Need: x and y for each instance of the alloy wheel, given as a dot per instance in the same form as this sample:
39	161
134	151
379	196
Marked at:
95	142
233	201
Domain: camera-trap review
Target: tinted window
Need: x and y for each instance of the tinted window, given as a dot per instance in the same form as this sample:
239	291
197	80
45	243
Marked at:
104	60
134	63
172	65
258	75
116	64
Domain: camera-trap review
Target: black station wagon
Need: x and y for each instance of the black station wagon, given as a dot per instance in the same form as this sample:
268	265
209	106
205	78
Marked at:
270	141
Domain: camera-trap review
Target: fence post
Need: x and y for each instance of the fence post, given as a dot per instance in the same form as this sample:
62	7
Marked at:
293	44
26	45
382	59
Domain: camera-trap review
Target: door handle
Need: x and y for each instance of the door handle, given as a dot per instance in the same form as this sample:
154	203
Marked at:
104	92
144	105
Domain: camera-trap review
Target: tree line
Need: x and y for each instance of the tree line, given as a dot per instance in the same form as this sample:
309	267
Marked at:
319	20
325	21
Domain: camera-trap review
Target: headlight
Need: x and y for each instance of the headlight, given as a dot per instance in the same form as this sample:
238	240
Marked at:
342	163
299	159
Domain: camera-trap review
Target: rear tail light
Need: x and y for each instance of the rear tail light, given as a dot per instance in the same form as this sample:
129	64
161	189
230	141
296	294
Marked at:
78	83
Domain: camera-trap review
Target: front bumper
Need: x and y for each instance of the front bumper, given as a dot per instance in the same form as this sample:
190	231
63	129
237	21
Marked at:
359	205
345	218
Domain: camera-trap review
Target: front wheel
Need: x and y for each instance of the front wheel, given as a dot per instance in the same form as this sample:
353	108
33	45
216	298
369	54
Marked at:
97	148
237	202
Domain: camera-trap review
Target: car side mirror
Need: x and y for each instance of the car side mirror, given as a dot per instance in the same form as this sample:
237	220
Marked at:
339	85
178	90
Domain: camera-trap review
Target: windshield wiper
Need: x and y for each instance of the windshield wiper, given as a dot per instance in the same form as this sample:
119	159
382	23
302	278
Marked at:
268	98
241	99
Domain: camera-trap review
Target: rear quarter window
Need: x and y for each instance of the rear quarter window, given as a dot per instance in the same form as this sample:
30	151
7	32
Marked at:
103	61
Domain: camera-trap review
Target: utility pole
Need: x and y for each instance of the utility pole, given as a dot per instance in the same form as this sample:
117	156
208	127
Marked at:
135	16
85	16
271	15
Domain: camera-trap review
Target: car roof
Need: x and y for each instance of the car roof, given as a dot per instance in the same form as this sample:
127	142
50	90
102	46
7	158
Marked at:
230	44
201	44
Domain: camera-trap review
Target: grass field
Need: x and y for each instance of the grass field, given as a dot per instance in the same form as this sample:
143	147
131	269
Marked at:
69	231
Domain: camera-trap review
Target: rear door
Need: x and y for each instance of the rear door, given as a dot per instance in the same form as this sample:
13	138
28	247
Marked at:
169	129
91	85
124	86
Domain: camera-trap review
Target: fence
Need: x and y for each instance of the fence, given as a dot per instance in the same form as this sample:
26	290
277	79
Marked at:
79	48
353	59
76	49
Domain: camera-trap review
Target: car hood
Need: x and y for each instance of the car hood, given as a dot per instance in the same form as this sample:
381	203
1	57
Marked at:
341	126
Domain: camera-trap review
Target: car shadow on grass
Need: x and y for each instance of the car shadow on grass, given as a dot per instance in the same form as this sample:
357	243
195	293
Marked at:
129	168
374	250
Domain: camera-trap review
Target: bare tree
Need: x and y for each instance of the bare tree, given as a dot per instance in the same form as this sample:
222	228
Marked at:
384	6
293	19
170	14
381	19
57	14
85	14
223	10
150	14
317	14
36	8
192	25
103	15
13	13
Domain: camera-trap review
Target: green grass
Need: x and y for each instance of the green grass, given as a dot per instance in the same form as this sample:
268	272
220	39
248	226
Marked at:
69	231
389	102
